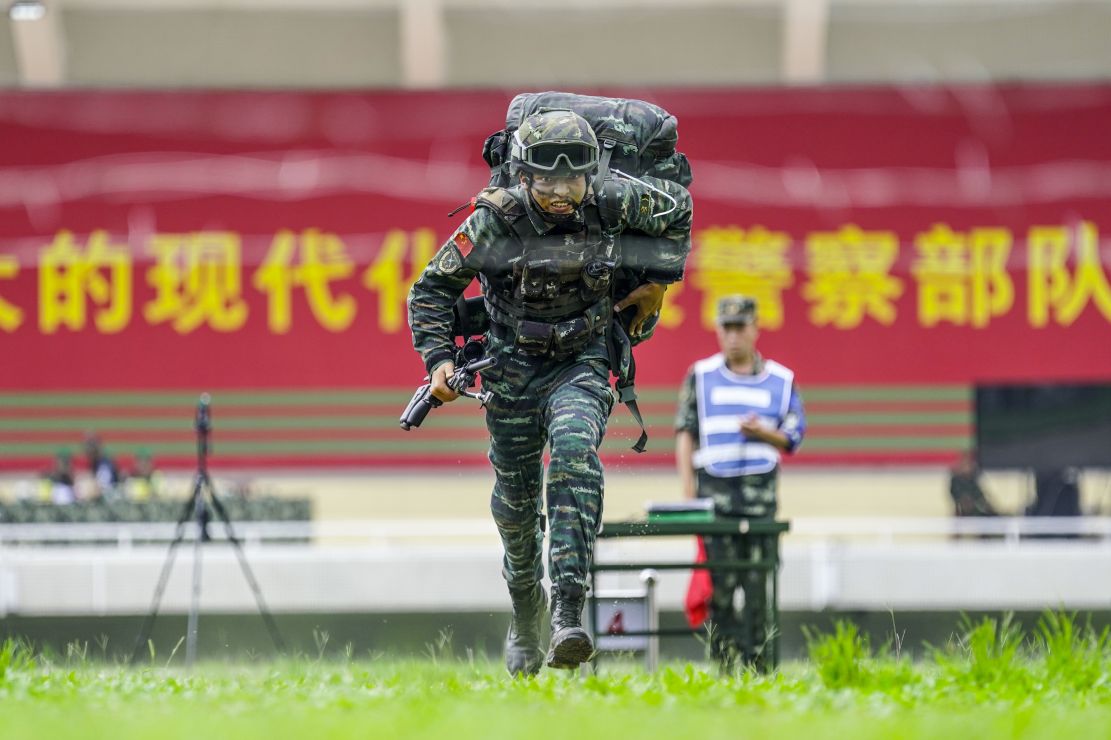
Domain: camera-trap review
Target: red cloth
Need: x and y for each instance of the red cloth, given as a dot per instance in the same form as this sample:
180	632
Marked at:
699	591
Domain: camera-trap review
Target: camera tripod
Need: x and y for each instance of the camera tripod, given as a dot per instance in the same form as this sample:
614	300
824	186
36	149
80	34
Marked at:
197	509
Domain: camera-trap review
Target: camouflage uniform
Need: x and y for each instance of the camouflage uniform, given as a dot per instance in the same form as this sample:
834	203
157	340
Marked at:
752	496
557	390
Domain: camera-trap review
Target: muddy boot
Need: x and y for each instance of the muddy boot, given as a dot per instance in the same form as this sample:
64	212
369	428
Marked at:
523	656
571	644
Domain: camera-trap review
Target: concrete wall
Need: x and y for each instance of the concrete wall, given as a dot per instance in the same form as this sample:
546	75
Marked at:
804	491
61	581
203	48
659	46
936	41
241	43
9	72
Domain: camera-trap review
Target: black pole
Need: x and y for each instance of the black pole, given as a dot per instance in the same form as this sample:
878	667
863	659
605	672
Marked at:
197	508
203	424
179	533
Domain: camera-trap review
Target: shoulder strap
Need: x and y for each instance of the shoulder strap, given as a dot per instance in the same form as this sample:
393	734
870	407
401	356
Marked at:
501	201
592	217
600	189
506	205
617	343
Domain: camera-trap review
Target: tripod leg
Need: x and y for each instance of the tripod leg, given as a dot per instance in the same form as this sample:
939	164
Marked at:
179	534
264	612
195	603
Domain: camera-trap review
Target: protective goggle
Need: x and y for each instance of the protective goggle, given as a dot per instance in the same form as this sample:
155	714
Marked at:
573	156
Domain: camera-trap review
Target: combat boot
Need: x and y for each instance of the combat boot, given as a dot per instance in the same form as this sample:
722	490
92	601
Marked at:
571	644
523	656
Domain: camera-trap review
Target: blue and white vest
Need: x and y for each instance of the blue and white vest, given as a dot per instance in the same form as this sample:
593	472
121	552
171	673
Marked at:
724	399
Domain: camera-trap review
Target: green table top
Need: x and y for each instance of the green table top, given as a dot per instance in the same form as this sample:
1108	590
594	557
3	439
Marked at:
719	525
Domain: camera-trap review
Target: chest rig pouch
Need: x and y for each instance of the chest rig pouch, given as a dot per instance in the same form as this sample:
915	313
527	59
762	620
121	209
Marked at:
561	284
556	297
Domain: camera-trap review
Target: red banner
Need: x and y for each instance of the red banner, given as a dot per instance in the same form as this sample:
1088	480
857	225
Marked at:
920	239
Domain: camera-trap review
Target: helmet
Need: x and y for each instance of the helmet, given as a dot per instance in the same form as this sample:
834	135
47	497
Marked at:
555	142
736	309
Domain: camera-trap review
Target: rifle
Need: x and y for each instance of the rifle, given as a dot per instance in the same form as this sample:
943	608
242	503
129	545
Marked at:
470	360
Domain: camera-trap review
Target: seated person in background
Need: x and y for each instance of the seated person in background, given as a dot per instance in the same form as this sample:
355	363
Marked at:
58	485
1056	493
144	482
106	476
964	488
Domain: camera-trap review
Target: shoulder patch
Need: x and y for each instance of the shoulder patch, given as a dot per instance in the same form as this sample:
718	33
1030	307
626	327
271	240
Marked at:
449	260
463	243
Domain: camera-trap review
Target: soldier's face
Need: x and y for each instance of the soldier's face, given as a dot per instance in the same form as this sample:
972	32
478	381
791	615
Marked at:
737	341
558	194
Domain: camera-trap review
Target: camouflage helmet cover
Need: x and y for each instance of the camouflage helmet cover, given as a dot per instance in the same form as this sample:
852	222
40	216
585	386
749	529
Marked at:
736	310
555	142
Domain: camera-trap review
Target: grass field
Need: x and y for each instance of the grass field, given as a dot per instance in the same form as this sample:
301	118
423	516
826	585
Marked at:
989	681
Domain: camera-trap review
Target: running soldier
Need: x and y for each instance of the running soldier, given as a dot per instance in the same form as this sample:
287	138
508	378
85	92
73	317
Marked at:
546	253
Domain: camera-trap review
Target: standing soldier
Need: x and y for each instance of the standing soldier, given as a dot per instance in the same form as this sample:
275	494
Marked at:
737	413
546	252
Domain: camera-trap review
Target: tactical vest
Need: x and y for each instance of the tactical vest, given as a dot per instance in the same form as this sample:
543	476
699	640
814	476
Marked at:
552	294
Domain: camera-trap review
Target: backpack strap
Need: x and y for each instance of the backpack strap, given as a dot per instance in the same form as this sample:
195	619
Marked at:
604	158
608	202
495	151
511	211
618	344
502	202
592	218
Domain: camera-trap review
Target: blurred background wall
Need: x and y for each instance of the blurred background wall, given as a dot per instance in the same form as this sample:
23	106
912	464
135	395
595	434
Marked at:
484	43
125	120
799	115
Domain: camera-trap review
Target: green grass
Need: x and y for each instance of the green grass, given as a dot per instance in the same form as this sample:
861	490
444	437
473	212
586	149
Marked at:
990	680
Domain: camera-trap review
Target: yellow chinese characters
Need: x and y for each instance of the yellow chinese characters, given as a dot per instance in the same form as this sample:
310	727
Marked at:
850	277
323	260
386	275
11	317
70	277
962	278
1053	290
753	261
197	281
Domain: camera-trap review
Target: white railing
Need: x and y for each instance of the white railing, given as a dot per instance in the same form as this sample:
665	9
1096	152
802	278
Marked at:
356	531
886	530
404	565
891	530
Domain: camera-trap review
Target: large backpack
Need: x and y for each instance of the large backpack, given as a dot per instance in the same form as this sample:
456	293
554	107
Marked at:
635	137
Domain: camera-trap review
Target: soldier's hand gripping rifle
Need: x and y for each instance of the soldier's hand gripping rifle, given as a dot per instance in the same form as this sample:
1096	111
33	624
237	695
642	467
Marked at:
470	360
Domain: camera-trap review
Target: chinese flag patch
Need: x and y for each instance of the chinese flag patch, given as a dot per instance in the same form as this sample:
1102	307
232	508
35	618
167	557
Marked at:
463	244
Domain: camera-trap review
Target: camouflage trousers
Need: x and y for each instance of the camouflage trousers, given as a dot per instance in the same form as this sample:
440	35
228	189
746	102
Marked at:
538	402
739	637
